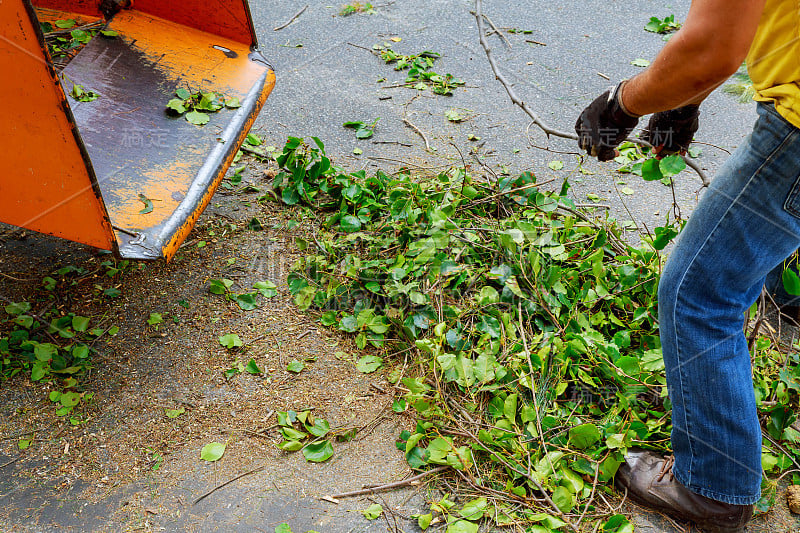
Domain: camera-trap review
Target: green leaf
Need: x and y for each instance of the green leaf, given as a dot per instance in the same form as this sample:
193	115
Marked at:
640	62
176	105
563	499
584	436
453	115
617	524
45	351
267	289
108	33
230	341
318	452
212	451
424	521
671	165
252	368
290	445
363	133
651	170
556	165
148	204
373	511
197	118
18	308
295	366
462	526
64	24
791	282
80	323
369	364
350	223
70	399
283	528
174	413
254	140
247	302
183	94
320	428
474	509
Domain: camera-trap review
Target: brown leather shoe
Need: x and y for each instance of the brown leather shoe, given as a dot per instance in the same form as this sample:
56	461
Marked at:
649	481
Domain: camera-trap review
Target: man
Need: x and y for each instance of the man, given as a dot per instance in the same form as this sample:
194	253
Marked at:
744	226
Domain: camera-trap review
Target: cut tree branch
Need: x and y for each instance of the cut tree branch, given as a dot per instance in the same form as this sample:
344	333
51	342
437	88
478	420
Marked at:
388	486
478	13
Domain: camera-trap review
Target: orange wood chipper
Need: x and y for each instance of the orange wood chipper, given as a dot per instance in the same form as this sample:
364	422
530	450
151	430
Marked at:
91	152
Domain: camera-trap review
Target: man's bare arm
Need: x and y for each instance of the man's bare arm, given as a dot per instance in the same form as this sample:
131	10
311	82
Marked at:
709	47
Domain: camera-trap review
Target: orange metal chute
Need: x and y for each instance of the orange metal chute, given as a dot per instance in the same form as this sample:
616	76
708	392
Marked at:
83	170
47	182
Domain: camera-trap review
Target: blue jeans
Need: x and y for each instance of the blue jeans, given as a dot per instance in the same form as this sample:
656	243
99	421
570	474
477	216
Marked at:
744	226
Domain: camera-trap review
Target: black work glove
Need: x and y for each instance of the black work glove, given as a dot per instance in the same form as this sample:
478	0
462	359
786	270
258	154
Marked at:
603	125
671	132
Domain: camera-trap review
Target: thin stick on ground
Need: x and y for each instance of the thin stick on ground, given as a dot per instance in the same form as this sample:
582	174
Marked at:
497	31
412	126
388	486
240	476
478	13
295	17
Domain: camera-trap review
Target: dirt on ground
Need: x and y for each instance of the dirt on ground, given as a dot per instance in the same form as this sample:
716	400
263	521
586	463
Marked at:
119	462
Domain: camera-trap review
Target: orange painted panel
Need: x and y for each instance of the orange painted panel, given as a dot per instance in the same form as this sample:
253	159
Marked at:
84	7
46	183
226	18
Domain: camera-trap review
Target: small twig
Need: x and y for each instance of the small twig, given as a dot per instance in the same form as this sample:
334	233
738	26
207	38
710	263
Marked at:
12	277
388	486
407	145
240	476
602	206
125	231
250	150
11	462
373	52
546	128
295	17
497	31
406	163
535	42
419	131
712	146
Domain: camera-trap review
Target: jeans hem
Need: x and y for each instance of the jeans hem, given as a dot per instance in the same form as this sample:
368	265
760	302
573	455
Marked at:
717	496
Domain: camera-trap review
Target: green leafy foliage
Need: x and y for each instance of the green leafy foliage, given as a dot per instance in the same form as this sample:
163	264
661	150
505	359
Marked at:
80	94
373	511
539	361
53	349
303	431
65	38
246	301
195	107
363	130
741	86
419	75
356	7
230	341
665	25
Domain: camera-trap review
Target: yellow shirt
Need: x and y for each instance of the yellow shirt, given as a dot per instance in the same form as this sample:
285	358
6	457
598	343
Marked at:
774	58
